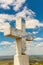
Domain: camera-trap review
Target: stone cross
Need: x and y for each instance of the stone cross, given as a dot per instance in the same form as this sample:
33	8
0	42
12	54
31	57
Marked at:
20	35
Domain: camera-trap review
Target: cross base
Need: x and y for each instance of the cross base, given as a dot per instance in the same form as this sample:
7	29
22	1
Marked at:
21	60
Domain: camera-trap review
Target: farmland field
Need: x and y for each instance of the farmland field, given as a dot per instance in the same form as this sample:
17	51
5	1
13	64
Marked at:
34	60
8	62
36	63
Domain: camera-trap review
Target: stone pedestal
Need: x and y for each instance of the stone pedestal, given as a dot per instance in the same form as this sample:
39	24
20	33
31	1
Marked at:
21	60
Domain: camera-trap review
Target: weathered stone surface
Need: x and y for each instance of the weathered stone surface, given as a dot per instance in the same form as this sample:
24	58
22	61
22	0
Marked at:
21	60
21	36
11	32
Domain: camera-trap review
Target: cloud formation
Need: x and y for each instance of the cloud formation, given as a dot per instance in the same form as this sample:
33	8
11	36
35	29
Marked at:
4	18
31	47
32	23
5	43
18	4
5	4
8	18
39	44
35	32
7	48
26	13
38	39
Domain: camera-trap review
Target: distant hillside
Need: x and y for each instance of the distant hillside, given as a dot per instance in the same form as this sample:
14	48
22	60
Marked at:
31	57
36	58
6	57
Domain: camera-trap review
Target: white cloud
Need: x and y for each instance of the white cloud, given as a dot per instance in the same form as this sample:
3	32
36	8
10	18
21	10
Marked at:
35	32
35	51
26	14
32	23
5	43
3	26
4	3
30	44
13	45
6	17
3	18
34	48
34	44
16	3
7	48
0	48
40	44
38	39
4	6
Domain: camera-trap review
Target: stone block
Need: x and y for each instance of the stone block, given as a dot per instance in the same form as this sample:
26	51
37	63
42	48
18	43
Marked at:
21	60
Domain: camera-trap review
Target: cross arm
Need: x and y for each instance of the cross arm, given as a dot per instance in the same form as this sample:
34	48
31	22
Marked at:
15	33
11	32
28	36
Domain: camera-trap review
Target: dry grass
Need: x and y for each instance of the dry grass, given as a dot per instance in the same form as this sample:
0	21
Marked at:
6	62
10	62
37	63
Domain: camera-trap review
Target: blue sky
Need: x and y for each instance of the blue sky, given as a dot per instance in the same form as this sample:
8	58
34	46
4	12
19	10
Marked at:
32	12
36	6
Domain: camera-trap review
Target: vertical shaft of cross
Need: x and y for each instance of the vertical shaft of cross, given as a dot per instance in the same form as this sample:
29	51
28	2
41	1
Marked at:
18	46
20	23
23	46
21	37
23	40
23	25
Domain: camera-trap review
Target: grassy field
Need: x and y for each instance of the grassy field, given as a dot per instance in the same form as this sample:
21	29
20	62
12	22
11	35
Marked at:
10	62
6	62
34	60
37	63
